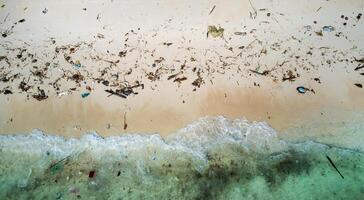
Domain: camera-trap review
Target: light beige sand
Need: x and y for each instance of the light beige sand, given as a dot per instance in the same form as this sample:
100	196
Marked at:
164	112
165	106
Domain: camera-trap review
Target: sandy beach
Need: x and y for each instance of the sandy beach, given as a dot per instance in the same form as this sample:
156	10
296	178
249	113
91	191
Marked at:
182	99
252	70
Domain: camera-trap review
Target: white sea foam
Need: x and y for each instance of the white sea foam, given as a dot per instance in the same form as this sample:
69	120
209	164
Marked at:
212	158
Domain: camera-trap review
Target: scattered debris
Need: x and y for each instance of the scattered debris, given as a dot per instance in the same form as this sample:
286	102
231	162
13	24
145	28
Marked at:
255	13
73	190
125	90
264	73
41	95
173	76
113	75
45	10
289	76
359	67
333	165
125	123
328	28
100	36
105	82
122	53
62	94
91	174
358	16
359	60
6	92
303	90
117	93
77	77
77	64
359	85
240	33
180	79
319	33
84	95
317	80
167	43
198	82
212	9
58	166
215	32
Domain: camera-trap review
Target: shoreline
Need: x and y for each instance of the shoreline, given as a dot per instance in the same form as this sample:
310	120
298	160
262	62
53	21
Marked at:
280	106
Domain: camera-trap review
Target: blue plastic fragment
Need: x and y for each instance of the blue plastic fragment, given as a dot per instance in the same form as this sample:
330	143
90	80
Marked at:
301	89
328	28
77	65
84	95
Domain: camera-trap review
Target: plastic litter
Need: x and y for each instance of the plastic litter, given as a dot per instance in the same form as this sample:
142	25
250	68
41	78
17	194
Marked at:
91	174
63	94
84	95
77	64
302	90
215	32
328	28
45	11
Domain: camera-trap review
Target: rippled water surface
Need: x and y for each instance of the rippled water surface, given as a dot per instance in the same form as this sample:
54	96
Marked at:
213	158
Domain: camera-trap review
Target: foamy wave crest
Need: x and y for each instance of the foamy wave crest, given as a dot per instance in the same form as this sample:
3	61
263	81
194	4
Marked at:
212	158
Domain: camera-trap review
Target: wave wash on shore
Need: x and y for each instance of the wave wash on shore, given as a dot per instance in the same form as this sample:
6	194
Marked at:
213	158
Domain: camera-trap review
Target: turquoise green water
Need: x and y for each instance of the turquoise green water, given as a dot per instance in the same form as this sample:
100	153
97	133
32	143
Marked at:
213	158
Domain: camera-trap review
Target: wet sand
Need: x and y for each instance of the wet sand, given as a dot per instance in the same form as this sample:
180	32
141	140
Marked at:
170	109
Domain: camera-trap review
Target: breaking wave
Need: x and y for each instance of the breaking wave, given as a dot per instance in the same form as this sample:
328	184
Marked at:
212	158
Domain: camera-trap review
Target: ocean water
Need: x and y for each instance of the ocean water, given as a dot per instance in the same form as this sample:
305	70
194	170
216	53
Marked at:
212	158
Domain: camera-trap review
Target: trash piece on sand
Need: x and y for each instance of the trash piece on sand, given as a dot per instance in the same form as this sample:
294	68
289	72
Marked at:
264	73
240	33
215	32
359	67
41	95
63	93
358	85
84	95
91	174
212	9
319	33
361	60
45	11
6	91
328	28
116	93
125	124
333	165
77	64
302	90
125	91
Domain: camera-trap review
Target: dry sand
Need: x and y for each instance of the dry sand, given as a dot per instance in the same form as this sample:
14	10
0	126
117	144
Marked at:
278	42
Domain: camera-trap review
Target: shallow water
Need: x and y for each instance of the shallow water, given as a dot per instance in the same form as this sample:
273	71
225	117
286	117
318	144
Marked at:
213	158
